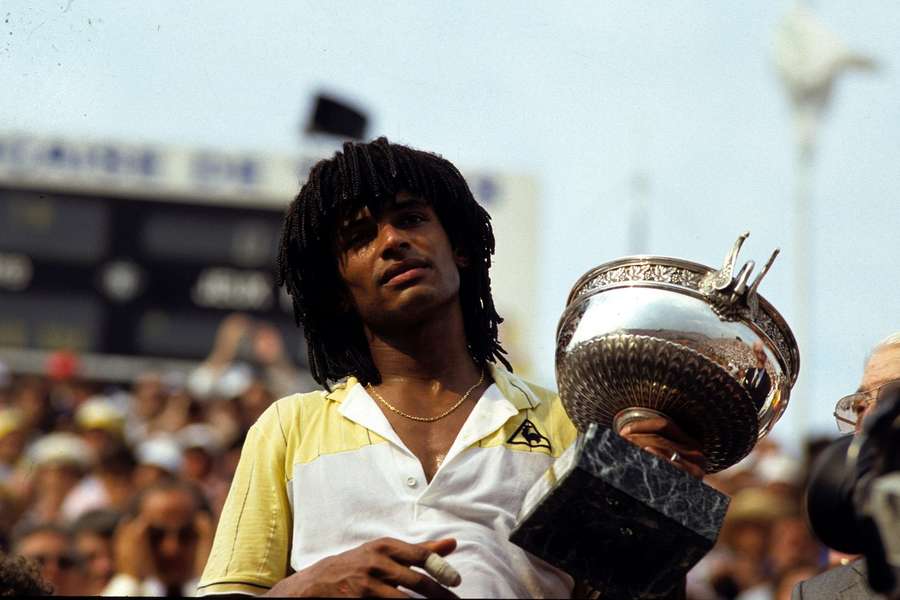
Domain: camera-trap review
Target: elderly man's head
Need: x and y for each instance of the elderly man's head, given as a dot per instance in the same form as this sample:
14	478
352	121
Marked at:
882	367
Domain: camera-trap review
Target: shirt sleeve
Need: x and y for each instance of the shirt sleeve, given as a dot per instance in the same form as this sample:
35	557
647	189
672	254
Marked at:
251	549
123	585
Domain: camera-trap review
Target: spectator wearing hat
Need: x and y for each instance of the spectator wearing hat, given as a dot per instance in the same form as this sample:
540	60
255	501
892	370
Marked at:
738	562
159	459
50	547
58	462
100	422
109	484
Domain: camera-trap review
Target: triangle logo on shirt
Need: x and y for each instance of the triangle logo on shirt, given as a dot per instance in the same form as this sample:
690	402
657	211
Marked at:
528	435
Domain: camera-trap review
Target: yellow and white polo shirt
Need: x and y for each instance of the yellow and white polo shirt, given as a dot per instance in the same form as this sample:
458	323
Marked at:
322	473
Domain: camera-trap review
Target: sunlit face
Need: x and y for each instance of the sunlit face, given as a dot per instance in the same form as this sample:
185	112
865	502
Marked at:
883	367
398	265
172	534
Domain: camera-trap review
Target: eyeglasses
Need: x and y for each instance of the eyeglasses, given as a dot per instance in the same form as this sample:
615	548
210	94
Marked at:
185	534
63	561
849	410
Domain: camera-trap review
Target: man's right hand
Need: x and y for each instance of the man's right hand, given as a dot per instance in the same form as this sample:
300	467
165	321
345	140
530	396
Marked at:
375	569
132	549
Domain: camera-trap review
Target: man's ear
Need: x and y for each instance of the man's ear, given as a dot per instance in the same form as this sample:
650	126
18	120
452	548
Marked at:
460	258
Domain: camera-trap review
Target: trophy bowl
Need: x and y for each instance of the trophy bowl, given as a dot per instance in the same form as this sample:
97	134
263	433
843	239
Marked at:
648	335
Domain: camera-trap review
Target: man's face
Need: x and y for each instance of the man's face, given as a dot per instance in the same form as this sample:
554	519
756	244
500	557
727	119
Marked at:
96	552
11	446
883	366
56	479
398	265
51	551
172	533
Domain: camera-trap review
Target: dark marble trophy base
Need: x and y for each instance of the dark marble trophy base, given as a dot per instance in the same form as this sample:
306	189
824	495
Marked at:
620	519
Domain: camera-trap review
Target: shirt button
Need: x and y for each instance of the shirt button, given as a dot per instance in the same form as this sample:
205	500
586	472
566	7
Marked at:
412	482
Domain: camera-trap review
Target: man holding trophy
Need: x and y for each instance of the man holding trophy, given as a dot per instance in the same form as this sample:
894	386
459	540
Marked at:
425	466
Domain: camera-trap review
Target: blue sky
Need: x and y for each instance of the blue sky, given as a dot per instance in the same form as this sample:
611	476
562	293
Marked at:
583	97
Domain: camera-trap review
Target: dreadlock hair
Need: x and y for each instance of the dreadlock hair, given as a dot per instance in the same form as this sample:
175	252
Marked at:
371	175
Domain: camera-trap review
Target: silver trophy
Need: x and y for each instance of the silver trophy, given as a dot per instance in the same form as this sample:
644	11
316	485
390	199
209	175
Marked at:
644	336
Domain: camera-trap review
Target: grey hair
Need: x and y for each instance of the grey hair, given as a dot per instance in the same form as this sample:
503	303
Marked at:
891	340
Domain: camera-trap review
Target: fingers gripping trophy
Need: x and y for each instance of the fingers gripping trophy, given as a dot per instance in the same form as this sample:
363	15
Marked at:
643	337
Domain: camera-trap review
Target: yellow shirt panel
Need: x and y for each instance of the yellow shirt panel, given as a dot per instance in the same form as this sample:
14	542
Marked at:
251	548
325	430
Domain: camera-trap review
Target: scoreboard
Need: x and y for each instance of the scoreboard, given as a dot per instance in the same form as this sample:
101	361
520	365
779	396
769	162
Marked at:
131	254
118	275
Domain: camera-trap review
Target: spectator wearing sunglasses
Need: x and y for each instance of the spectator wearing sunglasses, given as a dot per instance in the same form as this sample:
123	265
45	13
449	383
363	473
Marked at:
50	548
162	548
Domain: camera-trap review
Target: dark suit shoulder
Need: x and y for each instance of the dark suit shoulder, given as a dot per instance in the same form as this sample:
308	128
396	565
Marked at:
842	583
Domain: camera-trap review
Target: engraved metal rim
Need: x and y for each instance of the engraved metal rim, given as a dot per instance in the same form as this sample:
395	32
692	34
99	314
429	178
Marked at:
638	259
792	369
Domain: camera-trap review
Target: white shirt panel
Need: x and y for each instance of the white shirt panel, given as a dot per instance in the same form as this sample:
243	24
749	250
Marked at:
345	499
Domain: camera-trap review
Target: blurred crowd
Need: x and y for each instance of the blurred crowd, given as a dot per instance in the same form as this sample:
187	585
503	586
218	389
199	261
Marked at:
765	546
116	489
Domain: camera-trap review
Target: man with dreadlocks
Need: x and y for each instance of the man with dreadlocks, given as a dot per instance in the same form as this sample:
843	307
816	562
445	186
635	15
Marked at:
420	445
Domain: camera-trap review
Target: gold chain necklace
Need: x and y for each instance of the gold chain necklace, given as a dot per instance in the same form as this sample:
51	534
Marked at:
393	408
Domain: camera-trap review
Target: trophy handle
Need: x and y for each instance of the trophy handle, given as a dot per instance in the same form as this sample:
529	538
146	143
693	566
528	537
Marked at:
752	295
730	294
721	279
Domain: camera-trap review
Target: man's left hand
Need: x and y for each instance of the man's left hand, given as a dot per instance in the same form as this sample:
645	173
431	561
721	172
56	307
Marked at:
663	438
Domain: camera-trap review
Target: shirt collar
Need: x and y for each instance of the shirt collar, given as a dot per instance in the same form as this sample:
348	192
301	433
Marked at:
511	386
340	389
492	410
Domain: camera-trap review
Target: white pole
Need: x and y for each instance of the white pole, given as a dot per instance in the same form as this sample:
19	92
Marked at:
809	57
803	266
639	215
